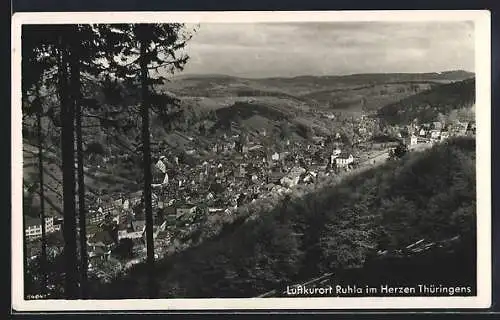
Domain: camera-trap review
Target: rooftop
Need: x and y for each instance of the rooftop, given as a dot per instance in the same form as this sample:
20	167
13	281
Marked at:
138	225
345	155
30	221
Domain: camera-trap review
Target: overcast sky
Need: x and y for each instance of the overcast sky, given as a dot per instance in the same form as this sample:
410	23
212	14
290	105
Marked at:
326	48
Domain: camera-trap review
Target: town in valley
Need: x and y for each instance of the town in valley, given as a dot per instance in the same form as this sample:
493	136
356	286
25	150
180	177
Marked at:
181	152
220	177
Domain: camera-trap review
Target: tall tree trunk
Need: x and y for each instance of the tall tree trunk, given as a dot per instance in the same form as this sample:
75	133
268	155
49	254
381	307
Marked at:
76	87
147	167
43	260
68	168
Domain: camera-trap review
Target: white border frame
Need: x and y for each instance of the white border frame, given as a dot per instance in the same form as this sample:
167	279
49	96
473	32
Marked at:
482	21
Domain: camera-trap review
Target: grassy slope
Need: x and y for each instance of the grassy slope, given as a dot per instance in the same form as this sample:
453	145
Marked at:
53	178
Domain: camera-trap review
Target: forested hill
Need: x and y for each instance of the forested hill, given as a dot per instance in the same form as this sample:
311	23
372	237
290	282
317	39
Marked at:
429	195
295	85
426	106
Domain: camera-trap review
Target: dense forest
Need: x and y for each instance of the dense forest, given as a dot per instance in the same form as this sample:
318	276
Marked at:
429	195
427	105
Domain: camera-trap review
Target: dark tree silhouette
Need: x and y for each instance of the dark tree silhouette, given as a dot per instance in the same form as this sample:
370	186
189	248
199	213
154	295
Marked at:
53	50
151	47
67	59
76	92
34	66
142	36
39	107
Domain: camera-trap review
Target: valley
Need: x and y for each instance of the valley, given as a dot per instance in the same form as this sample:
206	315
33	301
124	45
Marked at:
236	145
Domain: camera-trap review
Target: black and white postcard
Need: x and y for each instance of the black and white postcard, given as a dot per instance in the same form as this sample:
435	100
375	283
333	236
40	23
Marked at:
251	160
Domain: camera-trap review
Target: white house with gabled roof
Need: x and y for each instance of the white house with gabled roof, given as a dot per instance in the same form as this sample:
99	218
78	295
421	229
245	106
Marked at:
344	159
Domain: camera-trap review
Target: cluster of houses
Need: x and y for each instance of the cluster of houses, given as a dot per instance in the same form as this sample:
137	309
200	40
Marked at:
228	174
218	183
237	168
53	234
217	179
435	132
119	219
33	227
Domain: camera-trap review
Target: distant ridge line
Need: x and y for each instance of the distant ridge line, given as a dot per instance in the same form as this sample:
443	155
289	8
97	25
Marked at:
226	76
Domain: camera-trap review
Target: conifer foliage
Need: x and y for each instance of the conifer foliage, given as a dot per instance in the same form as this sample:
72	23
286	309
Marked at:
69	62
